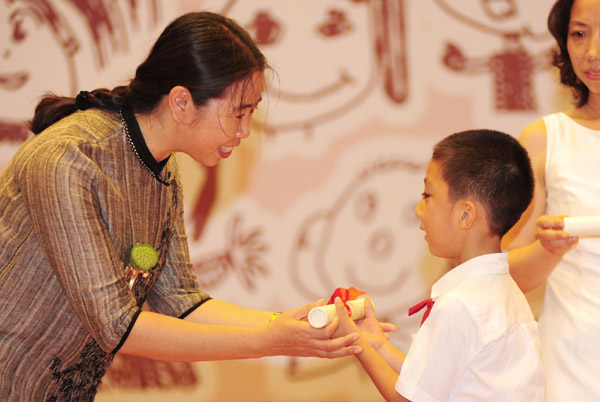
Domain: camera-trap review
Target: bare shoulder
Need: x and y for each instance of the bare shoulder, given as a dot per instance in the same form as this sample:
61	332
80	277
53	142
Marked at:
533	137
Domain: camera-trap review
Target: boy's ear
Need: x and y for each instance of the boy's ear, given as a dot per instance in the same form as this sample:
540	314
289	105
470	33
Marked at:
468	214
180	104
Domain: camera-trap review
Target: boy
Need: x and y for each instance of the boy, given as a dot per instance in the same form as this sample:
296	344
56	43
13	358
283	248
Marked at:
478	340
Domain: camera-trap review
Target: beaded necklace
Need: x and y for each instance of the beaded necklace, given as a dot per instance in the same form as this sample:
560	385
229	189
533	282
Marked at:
157	176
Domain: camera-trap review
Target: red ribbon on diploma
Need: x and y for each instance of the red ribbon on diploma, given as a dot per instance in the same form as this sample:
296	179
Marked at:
346	295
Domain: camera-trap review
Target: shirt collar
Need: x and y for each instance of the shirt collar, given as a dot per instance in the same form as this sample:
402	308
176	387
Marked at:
483	265
139	143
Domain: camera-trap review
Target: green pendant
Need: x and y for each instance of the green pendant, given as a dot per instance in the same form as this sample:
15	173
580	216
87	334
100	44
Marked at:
143	256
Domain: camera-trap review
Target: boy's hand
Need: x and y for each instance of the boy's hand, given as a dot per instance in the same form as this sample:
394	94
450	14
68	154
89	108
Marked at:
346	324
371	329
369	325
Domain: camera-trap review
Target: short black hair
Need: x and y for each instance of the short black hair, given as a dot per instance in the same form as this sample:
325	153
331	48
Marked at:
491	166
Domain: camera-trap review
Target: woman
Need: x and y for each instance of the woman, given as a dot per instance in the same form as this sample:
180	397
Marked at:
564	150
97	180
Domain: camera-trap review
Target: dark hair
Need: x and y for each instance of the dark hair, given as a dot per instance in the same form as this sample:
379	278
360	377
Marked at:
491	166
558	25
202	51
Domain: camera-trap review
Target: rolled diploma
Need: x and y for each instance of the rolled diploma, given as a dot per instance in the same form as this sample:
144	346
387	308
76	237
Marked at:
582	225
318	317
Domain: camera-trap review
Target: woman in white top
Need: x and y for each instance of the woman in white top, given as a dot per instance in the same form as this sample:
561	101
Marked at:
564	149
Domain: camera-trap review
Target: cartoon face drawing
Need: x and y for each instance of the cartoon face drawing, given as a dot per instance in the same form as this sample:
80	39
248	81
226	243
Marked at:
514	65
37	44
37	53
326	86
306	34
377	215
369	238
500	17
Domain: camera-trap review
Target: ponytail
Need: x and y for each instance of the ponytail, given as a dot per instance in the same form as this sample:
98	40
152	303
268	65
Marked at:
53	108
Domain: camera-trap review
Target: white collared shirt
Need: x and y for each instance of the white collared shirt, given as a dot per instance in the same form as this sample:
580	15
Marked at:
480	341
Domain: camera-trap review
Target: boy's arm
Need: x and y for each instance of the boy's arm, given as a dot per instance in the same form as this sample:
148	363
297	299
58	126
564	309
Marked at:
392	356
382	374
376	333
382	371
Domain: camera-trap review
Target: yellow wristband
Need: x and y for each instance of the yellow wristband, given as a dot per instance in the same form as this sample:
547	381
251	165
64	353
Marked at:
273	316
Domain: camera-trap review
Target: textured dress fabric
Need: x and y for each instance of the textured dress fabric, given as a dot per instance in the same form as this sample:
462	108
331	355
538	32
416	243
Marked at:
570	316
73	202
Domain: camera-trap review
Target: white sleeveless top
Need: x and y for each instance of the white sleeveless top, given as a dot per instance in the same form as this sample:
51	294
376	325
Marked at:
570	317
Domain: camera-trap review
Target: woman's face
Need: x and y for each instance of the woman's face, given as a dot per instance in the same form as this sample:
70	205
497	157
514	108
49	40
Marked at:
222	123
583	42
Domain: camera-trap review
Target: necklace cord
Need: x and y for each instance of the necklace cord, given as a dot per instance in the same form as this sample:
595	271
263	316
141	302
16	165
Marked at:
158	177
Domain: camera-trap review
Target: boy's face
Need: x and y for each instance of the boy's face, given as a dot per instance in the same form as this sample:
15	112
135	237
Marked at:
438	215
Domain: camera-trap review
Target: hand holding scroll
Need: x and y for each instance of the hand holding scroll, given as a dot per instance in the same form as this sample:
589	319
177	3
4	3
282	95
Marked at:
369	327
550	231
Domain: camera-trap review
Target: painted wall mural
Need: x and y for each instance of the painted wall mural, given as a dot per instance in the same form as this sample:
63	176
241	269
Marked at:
50	46
511	67
367	235
241	254
368	33
322	194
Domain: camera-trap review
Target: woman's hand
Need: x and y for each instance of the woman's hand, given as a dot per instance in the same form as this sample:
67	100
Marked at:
549	231
290	334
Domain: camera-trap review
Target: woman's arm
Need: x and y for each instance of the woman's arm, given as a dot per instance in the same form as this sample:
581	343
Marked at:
219	312
207	335
536	243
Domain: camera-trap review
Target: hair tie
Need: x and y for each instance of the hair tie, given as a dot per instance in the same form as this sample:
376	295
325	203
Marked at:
82	100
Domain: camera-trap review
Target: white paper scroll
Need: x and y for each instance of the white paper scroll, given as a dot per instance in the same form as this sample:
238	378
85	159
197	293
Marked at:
318	317
584	226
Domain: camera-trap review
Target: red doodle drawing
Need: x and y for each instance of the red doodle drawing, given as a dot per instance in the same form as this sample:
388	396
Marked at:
105	21
513	67
128	372
389	56
266	29
325	256
336	24
242	255
365	238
